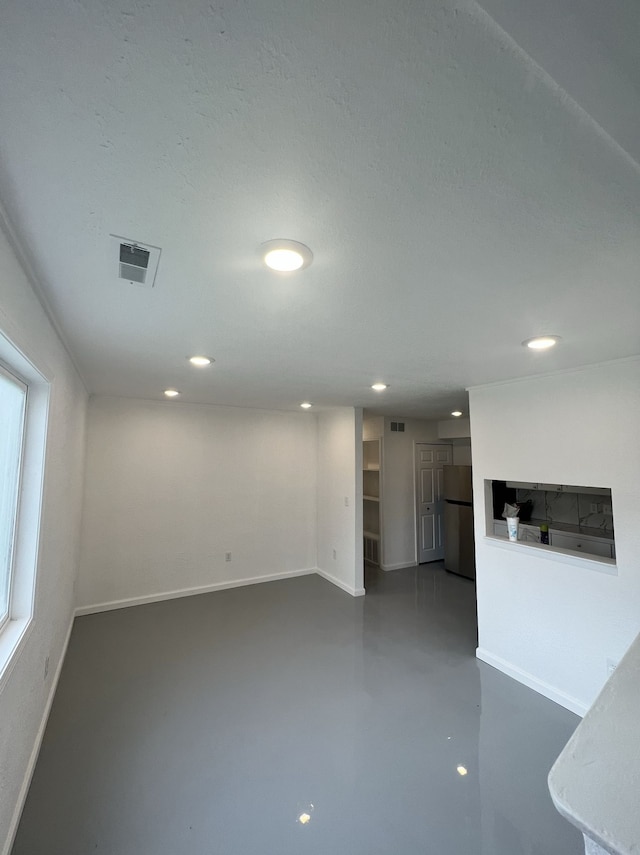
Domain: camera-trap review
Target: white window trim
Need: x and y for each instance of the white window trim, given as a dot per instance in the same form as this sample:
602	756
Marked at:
15	632
17	381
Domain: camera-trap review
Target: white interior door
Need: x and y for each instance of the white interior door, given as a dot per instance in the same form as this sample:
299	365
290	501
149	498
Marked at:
430	460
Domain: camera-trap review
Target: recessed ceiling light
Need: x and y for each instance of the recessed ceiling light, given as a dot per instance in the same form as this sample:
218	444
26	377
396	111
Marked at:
379	387
200	361
541	342
171	393
461	770
285	256
456	413
306	405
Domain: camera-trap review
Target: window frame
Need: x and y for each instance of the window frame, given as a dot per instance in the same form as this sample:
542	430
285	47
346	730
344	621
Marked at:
30	366
18	381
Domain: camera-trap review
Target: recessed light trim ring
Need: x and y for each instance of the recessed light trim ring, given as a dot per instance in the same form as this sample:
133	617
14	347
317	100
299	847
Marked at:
201	361
541	342
286	256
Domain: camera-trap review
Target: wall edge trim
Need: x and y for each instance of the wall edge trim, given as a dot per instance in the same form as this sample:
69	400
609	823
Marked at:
402	565
98	396
35	752
546	689
355	592
111	605
577	369
26	263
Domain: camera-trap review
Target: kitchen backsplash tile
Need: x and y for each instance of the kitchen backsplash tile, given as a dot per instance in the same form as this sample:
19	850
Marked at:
594	519
571	508
562	507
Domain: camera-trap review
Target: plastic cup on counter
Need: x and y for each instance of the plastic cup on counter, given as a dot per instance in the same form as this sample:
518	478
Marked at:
512	527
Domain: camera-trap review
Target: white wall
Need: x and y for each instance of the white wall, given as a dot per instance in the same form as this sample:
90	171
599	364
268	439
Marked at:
171	487
453	428
398	491
26	693
550	623
340	498
461	452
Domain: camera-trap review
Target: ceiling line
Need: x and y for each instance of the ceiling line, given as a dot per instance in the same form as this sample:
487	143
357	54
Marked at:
545	375
25	262
567	101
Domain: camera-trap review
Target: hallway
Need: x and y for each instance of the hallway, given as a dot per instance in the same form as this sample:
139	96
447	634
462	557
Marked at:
290	718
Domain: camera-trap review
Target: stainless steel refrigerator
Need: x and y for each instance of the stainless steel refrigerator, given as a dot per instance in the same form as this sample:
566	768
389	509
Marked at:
459	549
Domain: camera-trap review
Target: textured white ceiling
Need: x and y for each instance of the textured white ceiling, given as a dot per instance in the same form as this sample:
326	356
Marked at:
465	176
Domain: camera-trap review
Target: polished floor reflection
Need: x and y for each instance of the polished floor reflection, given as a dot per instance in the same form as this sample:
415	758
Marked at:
290	719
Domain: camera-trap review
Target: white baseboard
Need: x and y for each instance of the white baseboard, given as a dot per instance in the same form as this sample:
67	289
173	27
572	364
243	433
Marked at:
188	592
31	765
401	566
527	679
355	592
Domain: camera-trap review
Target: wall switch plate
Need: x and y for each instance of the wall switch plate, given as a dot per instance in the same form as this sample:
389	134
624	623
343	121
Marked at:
227	556
607	509
346	501
593	508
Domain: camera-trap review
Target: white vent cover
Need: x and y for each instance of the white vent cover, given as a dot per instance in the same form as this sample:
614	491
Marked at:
135	262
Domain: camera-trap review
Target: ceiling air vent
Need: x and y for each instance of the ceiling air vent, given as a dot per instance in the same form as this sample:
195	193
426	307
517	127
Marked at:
134	262
137	263
397	426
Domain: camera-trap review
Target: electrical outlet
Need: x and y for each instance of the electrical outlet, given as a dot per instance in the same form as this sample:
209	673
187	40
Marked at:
346	501
46	667
335	555
227	556
611	667
606	509
594	508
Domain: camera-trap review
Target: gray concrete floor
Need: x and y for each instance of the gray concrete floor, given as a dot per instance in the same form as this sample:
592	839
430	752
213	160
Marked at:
212	724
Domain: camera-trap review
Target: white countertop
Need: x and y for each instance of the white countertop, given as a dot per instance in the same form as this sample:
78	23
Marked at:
570	528
595	782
